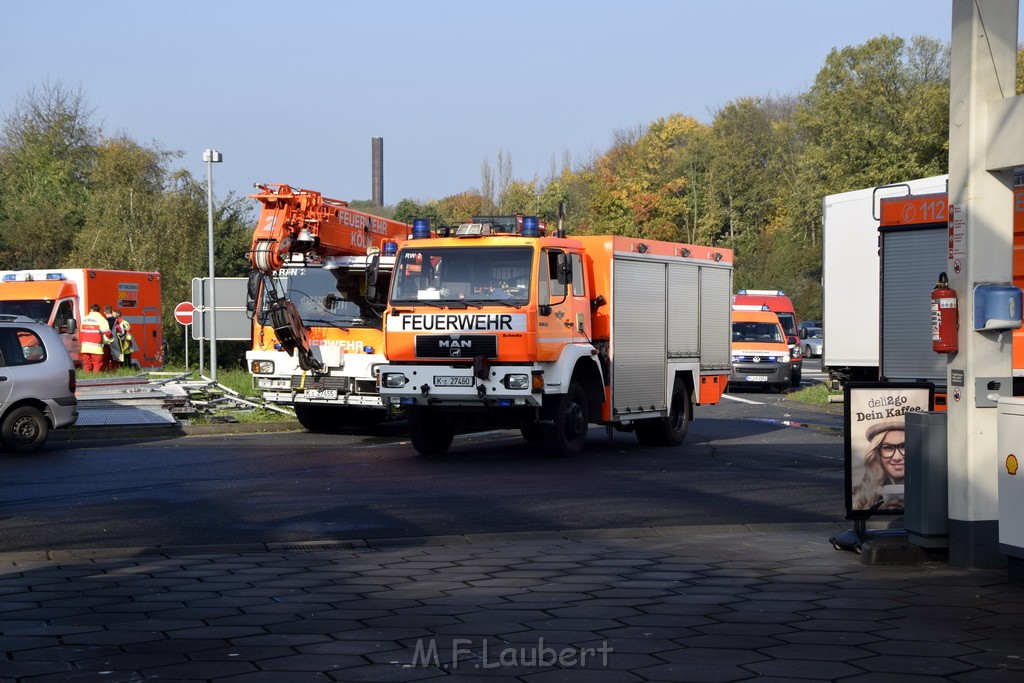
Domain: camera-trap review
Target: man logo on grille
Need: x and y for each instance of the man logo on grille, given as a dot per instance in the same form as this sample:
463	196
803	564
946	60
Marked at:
455	346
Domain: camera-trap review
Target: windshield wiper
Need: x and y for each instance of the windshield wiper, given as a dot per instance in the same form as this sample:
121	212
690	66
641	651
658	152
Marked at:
504	302
456	303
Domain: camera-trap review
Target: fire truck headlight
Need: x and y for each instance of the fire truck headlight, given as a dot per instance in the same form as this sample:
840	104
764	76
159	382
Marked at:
262	367
393	380
518	382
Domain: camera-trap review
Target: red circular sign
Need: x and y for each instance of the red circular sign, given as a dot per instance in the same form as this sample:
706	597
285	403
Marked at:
183	312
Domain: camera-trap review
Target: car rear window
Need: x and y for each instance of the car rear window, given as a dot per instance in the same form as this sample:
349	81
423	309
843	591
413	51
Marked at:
19	346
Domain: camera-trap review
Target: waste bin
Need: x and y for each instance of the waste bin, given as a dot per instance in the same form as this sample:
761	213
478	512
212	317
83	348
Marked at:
926	498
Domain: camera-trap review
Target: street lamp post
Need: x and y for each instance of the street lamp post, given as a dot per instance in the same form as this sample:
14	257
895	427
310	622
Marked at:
211	157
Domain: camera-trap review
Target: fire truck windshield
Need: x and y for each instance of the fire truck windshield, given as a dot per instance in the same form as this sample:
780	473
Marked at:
37	310
326	297
457	274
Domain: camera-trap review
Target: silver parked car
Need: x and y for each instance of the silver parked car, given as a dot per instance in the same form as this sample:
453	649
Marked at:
812	342
37	384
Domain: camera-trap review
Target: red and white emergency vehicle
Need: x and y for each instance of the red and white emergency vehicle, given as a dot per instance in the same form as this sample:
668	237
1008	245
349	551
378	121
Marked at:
776	301
62	297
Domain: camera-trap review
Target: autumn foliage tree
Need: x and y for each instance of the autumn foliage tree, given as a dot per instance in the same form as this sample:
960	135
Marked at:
751	179
73	197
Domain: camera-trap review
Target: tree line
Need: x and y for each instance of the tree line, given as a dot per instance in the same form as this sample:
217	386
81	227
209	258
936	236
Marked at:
751	180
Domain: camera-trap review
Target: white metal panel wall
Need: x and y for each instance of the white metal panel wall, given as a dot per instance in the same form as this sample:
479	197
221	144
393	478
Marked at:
683	311
911	263
639	336
715	318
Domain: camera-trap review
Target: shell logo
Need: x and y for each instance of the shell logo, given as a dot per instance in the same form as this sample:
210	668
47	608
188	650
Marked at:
1011	464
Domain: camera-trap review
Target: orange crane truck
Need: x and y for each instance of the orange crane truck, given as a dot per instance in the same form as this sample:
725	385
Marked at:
504	326
320	274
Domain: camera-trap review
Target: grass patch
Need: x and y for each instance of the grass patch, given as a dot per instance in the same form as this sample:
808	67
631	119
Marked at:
817	393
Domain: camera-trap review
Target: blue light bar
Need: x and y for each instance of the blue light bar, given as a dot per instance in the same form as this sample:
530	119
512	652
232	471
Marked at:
531	227
420	228
367	349
390	248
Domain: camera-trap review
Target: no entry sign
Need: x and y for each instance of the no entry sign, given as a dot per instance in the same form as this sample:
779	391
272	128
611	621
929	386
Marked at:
183	312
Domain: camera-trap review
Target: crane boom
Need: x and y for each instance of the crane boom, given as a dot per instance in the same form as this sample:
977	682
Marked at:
304	221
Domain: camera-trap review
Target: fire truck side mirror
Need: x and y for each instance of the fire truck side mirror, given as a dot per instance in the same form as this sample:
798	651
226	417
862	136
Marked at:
564	270
252	291
372	266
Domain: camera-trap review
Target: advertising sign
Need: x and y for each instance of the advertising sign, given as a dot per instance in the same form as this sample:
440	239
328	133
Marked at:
875	443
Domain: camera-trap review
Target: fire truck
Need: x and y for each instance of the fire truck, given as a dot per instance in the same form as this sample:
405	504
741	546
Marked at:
851	269
320	274
504	326
895	239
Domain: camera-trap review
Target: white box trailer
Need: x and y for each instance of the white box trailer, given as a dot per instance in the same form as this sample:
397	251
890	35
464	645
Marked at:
850	277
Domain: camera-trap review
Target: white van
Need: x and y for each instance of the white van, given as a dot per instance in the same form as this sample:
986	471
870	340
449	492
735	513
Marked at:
37	384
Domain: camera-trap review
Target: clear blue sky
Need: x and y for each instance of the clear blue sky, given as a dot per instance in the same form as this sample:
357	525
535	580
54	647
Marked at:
292	92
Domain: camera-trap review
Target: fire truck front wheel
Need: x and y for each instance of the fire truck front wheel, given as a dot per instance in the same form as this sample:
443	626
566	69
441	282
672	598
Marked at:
567	433
430	434
671	429
532	433
317	419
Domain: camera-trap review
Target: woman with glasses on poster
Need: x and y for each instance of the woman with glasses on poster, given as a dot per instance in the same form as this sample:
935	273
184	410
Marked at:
881	488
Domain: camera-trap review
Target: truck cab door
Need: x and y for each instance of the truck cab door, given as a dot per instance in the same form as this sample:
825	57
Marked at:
66	325
564	313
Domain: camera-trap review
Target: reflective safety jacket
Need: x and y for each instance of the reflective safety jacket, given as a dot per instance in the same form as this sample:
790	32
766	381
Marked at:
94	333
123	332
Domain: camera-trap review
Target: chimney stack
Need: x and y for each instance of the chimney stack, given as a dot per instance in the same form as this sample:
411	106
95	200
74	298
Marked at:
377	152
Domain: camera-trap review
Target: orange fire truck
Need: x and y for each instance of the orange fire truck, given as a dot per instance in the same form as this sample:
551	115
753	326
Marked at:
915	245
502	326
61	298
316	294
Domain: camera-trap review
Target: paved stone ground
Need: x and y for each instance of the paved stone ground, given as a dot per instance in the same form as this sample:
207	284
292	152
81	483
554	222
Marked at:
670	604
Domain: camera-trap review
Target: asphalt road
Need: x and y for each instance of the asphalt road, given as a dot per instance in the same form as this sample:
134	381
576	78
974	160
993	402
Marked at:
745	460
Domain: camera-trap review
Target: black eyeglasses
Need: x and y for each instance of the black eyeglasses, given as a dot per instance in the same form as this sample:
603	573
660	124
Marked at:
887	450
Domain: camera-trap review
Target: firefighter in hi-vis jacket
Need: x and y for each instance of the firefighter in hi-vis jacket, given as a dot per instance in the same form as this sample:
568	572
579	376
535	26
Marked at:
95	334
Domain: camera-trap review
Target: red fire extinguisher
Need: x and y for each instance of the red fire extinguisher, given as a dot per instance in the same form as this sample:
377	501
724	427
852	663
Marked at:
945	317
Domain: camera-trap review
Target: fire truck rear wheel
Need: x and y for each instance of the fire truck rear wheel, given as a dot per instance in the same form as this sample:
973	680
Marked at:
670	430
567	434
430	434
